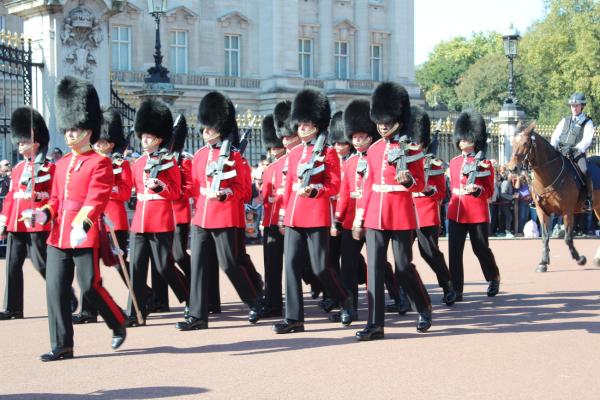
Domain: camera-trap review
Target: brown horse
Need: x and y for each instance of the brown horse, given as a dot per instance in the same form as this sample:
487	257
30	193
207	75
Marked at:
554	189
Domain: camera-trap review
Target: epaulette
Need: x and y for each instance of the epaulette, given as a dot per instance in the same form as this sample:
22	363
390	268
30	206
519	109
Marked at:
45	167
437	162
484	163
187	156
168	157
102	154
118	161
413	146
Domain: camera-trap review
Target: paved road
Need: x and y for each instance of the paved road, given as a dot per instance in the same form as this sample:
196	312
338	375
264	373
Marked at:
537	340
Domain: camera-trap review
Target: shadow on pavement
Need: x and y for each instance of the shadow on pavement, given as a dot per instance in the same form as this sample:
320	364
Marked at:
152	392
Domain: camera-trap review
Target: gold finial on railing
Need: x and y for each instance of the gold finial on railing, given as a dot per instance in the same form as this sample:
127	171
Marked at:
15	39
2	36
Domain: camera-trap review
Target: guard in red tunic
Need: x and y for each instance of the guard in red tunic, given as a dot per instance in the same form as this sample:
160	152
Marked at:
472	184
112	143
219	191
157	182
272	238
22	239
386	209
81	189
427	203
313	176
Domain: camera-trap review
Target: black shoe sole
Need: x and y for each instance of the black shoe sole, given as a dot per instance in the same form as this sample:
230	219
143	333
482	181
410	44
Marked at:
64	356
291	330
375	336
17	316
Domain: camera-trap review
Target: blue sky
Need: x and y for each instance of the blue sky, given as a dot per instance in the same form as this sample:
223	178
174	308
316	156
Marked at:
440	20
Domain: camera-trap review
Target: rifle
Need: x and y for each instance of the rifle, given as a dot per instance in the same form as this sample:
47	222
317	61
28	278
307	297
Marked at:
245	139
431	155
399	156
471	168
216	169
307	170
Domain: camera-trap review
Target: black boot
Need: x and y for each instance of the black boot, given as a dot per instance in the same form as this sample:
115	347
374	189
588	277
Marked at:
449	293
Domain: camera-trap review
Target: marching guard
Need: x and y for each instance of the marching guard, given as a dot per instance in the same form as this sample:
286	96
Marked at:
427	204
81	189
386	208
112	143
313	176
472	184
217	173
157	182
26	192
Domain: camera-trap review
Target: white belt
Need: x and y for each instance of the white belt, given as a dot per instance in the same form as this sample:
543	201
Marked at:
419	195
460	191
296	186
206	191
356	195
389	188
149	196
27	195
280	191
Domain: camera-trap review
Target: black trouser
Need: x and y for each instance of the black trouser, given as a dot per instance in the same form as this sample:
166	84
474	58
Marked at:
352	262
377	245
478	234
273	260
160	289
246	261
506	214
297	241
224	241
427	238
18	245
60	269
87	308
157	245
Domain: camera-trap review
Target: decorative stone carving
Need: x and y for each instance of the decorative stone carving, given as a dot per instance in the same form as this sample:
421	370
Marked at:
81	37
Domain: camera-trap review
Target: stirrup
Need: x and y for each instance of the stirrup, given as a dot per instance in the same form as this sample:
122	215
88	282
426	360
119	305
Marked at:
587	206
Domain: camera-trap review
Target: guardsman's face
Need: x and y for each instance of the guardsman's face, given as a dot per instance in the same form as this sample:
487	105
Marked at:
466	146
576	109
386	130
361	141
27	150
307	131
150	142
78	138
210	135
342	149
104	146
290	141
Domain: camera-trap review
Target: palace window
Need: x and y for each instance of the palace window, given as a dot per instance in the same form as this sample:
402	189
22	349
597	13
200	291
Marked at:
178	42
376	63
232	55
342	64
305	57
121	48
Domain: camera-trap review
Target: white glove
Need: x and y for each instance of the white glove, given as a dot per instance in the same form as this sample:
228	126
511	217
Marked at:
31	217
77	236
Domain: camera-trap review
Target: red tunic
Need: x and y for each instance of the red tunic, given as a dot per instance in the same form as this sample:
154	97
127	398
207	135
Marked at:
247	190
182	206
386	204
466	208
82	183
306	212
18	199
121	192
428	207
154	210
350	190
272	191
212	213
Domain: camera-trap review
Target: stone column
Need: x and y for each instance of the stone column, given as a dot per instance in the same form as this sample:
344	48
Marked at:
363	50
401	51
508	117
325	49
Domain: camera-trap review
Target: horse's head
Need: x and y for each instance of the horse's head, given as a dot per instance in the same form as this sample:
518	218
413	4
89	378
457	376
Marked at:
522	148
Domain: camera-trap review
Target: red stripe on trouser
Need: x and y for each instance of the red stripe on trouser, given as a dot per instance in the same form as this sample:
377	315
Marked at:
341	291
106	297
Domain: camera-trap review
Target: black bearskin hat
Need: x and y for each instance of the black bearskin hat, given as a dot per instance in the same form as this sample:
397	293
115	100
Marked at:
357	119
269	136
336	129
154	117
282	119
78	106
420	126
217	111
390	104
311	105
20	124
112	129
470	126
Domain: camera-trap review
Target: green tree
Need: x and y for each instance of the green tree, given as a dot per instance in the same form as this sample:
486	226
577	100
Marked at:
561	54
439	76
484	85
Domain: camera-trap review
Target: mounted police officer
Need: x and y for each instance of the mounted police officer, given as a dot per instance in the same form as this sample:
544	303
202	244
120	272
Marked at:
572	137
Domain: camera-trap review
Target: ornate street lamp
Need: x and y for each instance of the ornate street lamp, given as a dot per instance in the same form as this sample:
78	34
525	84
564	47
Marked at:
511	40
157	73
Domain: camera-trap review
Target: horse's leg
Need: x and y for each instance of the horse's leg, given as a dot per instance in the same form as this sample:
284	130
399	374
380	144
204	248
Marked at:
545	228
569	225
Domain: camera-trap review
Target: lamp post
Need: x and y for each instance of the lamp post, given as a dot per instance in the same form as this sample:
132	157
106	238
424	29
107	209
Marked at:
511	40
157	73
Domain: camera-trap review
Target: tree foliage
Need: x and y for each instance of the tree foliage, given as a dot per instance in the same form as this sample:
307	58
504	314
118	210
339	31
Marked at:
558	55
